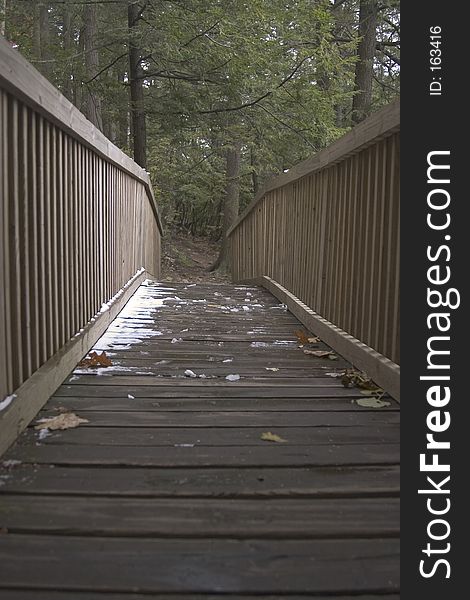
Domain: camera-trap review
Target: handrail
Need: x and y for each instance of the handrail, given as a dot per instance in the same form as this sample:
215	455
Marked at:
19	78
383	122
79	231
327	231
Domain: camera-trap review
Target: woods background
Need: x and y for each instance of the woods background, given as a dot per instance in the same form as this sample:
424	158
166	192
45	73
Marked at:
213	97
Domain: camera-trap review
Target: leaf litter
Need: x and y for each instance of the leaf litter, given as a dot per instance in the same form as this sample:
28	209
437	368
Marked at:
67	420
268	436
96	360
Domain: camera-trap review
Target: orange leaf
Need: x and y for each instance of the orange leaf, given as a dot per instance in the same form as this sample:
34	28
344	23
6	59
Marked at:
96	360
301	336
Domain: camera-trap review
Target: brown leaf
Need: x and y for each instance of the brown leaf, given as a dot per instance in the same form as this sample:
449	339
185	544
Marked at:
96	360
268	436
62	421
320	353
301	336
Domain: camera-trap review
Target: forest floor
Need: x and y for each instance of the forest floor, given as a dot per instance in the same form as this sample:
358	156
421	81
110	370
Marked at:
187	258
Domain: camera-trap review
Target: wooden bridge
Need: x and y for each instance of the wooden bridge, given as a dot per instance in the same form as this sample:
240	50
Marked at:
218	453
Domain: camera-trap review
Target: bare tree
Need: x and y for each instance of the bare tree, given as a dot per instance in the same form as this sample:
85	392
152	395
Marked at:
231	204
67	32
92	102
368	10
136	80
3	10
41	41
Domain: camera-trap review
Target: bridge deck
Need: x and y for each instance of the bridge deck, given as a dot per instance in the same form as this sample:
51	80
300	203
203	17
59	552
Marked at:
169	489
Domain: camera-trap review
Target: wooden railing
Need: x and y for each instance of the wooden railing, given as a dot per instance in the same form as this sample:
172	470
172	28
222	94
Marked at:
328	231
78	223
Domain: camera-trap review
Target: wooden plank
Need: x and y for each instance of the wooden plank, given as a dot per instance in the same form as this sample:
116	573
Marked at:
251	382
208	437
170	391
196	518
283	455
213	482
236	419
204	566
225	404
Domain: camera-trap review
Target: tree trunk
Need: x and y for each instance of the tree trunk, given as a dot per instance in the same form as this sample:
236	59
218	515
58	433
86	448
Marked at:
68	45
123	119
231	204
139	131
254	172
3	10
364	67
92	105
41	40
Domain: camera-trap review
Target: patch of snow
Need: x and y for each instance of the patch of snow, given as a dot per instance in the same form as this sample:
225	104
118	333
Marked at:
11	463
227	360
245	308
176	340
259	344
232	377
131	397
184	330
190	373
7	401
43	433
184	445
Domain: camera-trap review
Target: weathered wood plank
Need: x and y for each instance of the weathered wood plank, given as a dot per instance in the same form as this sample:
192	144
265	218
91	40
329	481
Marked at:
225	404
291	482
217	456
196	518
206	437
261	381
188	419
106	390
204	566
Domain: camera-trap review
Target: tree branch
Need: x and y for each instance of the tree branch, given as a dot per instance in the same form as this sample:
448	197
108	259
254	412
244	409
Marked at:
111	64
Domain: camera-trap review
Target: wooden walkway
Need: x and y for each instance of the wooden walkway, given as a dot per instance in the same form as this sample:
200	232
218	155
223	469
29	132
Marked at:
169	490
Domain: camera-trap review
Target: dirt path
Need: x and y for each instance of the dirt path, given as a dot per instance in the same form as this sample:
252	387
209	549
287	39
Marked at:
187	259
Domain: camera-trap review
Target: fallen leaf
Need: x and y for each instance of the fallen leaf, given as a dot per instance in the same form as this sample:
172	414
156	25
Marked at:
313	340
63	421
301	336
96	360
372	402
232	377
268	436
321	353
271	369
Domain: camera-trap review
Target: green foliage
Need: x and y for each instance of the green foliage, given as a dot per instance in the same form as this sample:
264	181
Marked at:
276	76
